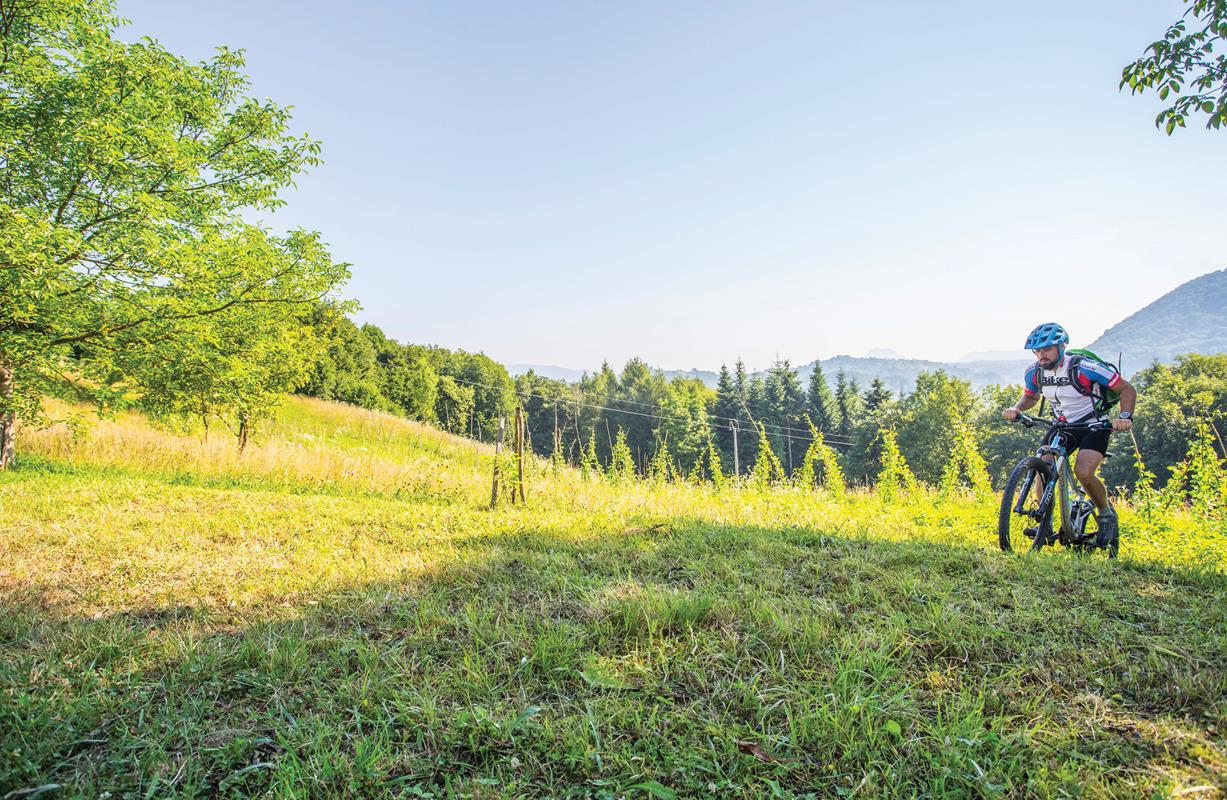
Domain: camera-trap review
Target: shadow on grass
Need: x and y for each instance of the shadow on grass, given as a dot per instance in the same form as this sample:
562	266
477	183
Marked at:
689	658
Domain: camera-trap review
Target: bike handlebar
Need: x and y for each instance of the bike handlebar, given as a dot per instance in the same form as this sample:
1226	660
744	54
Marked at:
1029	421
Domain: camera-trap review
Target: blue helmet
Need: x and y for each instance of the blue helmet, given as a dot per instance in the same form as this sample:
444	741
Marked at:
1047	335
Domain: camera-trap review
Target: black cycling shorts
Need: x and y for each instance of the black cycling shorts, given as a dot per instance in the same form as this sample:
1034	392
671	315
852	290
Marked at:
1080	440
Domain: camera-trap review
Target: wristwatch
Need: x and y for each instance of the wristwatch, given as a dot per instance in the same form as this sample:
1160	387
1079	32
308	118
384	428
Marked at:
1125	415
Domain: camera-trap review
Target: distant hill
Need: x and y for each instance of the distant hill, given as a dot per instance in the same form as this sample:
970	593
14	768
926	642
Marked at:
1192	318
899	374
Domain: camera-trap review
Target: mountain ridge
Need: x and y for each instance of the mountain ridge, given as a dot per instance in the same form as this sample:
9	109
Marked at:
1192	318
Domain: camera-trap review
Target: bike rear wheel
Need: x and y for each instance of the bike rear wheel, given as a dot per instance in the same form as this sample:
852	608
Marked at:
1021	510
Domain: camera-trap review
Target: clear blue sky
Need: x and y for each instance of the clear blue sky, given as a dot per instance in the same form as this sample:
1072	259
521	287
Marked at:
693	182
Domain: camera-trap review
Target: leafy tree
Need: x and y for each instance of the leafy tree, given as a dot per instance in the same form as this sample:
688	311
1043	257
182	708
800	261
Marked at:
1173	399
238	378
928	417
1183	63
685	427
349	371
407	379
124	172
453	404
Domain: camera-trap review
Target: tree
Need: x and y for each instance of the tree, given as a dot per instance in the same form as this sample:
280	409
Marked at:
784	407
929	417
726	409
1184	61
847	404
820	402
124	172
238	378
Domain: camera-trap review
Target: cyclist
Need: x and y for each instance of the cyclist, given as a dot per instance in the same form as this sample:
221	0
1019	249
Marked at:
1076	398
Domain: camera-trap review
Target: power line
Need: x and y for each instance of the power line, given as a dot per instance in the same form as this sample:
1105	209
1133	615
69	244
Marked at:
751	427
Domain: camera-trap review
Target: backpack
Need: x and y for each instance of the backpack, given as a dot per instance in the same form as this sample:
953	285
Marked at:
1105	399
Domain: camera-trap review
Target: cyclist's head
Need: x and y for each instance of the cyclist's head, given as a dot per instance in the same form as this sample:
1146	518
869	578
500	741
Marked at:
1046	336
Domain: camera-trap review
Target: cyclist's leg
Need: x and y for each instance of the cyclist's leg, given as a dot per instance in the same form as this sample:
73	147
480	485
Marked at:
1084	470
1049	438
1088	462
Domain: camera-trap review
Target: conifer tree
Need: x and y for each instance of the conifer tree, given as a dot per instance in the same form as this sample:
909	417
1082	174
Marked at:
847	403
819	401
726	408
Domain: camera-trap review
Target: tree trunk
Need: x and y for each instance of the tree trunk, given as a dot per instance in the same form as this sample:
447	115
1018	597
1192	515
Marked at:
8	418
244	430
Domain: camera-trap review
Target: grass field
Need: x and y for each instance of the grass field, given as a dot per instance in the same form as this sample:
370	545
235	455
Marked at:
336	613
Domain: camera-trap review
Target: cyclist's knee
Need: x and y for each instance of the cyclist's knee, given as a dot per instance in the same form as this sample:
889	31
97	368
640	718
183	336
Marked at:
1085	473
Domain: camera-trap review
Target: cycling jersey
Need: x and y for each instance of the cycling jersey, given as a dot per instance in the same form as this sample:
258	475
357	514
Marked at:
1069	404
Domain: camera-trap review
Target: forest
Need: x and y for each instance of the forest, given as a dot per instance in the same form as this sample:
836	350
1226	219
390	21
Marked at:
685	427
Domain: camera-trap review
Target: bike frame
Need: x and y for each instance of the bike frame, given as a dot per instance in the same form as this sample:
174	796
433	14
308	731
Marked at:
1073	525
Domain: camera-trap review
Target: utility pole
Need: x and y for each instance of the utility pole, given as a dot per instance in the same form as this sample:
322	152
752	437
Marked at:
736	450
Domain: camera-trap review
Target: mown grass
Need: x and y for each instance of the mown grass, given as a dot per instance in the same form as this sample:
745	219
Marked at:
337	614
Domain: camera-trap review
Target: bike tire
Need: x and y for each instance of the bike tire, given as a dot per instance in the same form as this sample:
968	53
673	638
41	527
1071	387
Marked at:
1010	526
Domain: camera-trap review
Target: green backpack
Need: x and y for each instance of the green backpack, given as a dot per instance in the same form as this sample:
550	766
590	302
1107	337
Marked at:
1105	399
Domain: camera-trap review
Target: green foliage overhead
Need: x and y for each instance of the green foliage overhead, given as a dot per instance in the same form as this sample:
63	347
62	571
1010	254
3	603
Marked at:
1184	65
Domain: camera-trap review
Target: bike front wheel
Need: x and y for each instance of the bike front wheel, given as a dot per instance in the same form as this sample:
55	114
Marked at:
1024	525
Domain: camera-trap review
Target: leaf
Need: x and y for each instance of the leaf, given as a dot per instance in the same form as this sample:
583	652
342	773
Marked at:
526	715
890	726
756	750
657	790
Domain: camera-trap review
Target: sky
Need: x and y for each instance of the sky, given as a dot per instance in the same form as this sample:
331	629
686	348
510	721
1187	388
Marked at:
567	183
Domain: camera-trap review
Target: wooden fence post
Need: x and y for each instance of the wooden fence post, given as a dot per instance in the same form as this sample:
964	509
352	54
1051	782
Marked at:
522	425
498	446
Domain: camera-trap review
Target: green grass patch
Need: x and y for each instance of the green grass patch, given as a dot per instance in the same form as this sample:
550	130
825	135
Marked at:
186	638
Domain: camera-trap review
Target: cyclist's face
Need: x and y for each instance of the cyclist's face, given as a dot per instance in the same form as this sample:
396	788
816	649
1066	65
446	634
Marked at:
1048	356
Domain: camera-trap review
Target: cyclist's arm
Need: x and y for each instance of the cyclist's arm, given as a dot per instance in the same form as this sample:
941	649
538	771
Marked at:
1025	402
1128	395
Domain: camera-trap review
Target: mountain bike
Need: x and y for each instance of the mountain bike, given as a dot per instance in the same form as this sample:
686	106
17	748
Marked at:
1025	521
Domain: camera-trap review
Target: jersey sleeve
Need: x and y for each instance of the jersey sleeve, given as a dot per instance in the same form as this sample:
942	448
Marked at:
1091	372
1031	380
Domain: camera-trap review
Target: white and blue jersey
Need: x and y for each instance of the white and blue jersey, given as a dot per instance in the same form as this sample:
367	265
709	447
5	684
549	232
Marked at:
1057	385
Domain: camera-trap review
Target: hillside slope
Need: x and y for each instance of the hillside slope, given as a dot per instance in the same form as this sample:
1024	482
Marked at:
338	613
1192	318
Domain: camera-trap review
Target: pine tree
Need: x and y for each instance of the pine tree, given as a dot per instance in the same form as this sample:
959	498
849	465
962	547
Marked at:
877	397
819	401
847	403
726	408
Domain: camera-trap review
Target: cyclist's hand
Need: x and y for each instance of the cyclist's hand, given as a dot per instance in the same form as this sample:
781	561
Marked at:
1011	414
1122	424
